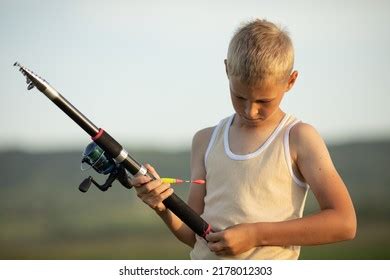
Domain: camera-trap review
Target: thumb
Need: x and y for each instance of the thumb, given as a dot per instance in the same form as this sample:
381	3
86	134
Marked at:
213	236
152	170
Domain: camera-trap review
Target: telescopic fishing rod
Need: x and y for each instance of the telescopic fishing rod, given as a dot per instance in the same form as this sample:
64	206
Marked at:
107	156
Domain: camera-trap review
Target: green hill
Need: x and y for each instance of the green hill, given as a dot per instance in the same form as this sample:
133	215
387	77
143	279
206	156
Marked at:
44	216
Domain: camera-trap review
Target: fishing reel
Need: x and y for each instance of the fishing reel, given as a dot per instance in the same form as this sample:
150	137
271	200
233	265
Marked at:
95	157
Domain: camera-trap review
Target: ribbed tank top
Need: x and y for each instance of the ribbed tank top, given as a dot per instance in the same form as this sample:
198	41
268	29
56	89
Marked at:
256	187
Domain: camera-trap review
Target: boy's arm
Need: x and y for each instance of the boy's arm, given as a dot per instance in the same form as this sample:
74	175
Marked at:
196	192
198	169
154	192
336	220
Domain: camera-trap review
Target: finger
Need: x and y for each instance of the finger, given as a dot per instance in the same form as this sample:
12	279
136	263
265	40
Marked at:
216	247
139	180
214	237
158	201
160	189
160	197
222	253
153	189
152	170
166	194
149	187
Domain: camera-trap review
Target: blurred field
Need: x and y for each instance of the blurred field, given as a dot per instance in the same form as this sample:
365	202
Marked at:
44	216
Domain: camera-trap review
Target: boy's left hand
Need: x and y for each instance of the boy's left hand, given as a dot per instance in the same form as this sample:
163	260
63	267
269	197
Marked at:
233	240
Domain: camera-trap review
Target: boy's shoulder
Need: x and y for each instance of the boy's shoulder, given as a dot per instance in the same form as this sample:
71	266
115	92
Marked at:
200	143
304	138
205	133
203	136
301	129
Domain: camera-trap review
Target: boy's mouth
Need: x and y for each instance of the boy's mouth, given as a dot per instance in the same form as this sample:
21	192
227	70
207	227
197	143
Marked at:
250	119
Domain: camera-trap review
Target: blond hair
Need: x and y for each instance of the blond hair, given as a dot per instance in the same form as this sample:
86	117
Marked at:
259	51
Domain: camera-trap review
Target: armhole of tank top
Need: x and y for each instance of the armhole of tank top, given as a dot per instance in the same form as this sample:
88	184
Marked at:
286	144
212	140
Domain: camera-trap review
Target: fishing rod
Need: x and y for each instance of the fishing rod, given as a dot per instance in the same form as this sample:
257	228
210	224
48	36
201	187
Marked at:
106	156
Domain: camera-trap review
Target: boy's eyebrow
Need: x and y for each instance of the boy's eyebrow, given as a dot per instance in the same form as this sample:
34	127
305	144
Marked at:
243	95
265	99
258	99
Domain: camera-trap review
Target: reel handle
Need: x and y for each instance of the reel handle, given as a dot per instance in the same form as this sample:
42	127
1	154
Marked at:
86	183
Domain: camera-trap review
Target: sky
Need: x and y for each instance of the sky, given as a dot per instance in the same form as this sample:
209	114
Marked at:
151	73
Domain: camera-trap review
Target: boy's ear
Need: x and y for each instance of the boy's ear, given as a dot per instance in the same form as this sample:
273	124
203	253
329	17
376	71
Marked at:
226	68
291	80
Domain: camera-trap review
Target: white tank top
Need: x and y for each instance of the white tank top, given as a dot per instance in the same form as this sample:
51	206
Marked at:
257	187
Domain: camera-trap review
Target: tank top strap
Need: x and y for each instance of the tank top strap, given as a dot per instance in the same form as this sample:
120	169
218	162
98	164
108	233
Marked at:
217	132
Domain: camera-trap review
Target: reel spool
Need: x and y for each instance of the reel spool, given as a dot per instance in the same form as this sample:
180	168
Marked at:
95	157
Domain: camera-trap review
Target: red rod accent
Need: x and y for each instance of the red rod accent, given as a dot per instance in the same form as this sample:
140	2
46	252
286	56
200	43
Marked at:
97	136
207	231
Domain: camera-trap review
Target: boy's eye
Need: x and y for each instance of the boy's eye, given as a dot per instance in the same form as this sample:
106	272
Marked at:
240	98
263	101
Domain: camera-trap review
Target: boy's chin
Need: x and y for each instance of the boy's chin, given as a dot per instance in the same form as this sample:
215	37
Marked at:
251	122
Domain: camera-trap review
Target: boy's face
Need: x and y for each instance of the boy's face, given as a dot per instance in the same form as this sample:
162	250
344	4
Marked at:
255	104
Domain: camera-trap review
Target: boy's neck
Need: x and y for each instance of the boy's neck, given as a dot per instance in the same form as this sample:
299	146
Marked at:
244	139
271	121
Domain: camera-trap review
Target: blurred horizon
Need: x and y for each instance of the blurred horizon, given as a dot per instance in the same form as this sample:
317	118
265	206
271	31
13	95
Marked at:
44	216
158	148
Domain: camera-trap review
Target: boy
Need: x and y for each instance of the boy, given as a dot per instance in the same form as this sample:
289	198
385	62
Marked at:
258	165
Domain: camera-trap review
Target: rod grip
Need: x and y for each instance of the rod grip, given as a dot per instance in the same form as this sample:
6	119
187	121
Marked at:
187	215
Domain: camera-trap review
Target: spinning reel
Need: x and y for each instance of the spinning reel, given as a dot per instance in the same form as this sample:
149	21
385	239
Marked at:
94	157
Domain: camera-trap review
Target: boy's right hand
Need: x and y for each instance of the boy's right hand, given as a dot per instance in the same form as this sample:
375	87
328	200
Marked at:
152	192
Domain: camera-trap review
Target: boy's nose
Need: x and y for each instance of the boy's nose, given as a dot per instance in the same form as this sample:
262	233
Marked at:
251	110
